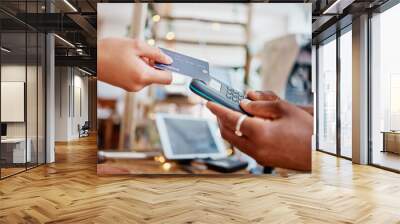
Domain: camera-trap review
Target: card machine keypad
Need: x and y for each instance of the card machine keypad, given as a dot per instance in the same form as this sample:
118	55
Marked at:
218	92
234	95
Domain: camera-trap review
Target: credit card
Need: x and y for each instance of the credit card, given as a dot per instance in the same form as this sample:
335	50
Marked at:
186	65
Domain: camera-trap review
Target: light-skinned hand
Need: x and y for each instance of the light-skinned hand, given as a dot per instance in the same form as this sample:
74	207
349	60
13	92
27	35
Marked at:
128	63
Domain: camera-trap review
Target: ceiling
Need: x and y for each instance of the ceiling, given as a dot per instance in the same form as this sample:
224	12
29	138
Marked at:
76	22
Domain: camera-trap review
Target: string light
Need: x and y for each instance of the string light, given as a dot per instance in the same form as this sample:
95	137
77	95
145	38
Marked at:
5	50
64	40
159	159
151	42
166	166
156	18
70	5
170	35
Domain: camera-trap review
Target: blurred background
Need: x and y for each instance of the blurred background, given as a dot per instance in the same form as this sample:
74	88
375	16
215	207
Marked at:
248	46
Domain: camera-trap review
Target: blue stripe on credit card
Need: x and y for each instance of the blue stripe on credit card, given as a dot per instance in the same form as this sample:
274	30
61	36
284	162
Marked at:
186	65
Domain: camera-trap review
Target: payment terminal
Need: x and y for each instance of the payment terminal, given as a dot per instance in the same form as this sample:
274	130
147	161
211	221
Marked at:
218	92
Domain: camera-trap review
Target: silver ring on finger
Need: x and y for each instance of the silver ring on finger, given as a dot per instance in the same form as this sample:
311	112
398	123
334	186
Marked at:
239	124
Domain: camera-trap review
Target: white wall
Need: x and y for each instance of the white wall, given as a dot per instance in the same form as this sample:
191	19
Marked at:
33	126
80	100
61	104
70	83
113	19
12	73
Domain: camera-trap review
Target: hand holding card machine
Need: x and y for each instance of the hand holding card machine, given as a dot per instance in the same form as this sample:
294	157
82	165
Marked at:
218	92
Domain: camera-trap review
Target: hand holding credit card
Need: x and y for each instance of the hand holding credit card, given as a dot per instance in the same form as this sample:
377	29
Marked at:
186	65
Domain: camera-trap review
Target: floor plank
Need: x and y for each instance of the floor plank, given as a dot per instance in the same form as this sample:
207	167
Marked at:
69	191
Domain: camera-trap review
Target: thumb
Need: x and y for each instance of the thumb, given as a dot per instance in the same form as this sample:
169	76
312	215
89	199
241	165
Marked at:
262	95
263	109
152	53
155	76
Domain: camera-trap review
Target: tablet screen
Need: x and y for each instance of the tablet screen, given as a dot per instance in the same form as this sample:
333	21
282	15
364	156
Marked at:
190	136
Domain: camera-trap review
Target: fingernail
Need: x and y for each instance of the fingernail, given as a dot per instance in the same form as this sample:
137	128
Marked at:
247	93
244	102
169	59
258	92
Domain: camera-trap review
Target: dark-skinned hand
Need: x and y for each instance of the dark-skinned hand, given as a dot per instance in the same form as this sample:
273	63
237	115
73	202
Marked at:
278	134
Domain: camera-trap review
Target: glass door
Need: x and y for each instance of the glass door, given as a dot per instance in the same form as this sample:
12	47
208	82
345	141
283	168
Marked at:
385	89
22	88
346	93
327	96
41	92
14	154
32	98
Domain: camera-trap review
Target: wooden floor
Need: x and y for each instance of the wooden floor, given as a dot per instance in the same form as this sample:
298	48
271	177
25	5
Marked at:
387	159
5	172
69	191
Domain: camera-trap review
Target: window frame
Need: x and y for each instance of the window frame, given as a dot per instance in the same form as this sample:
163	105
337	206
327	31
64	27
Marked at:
334	37
379	10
